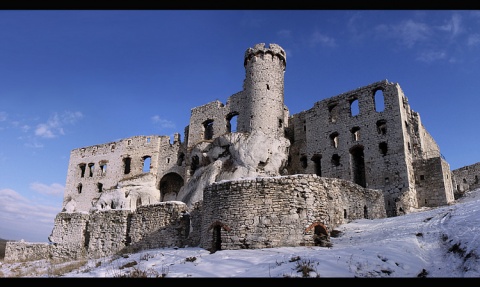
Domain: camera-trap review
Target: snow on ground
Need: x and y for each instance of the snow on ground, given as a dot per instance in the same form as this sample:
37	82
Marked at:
437	242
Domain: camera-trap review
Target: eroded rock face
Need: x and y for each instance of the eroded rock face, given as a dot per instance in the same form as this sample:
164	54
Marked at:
235	156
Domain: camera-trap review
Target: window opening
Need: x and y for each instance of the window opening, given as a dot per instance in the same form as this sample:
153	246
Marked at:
91	167
358	166
355	133
379	101
82	169
126	165
365	212
146	163
303	160
208	129
345	214
334	139
335	160
99	187
318	165
232	123
79	188
103	168
354	109
382	127
383	148
422	177
333	112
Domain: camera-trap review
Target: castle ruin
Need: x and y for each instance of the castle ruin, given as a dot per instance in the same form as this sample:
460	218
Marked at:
250	175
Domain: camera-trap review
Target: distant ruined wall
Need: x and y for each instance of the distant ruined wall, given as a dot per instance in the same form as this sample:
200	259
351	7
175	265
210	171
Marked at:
19	251
466	179
277	211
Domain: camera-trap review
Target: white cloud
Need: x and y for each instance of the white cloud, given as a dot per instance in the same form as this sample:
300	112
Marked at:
453	25
163	123
53	189
54	126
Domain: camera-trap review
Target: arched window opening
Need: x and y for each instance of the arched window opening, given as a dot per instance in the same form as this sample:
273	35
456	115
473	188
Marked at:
103	168
345	214
79	188
335	160
280	123
99	187
379	99
355	133
333	112
382	127
354	108
91	167
358	165
365	212
303	161
208	129
232	122
146	163
383	148
334	139
318	165
82	167
126	165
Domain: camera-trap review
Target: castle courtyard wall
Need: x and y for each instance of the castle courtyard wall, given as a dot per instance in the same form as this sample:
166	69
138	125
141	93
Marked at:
278	211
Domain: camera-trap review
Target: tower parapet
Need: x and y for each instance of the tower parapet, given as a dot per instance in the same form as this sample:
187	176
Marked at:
263	86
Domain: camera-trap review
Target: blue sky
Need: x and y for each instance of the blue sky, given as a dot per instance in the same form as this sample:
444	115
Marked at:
74	78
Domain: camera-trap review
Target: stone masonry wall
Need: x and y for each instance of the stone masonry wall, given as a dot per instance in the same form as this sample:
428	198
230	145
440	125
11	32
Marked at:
277	211
19	251
466	179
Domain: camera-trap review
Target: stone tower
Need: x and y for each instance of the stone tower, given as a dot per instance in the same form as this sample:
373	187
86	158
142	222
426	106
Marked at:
263	90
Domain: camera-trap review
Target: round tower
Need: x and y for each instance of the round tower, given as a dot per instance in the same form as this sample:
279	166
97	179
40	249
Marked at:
263	89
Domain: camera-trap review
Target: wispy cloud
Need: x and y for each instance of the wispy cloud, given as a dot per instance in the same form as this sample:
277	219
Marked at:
473	40
453	25
53	189
54	126
318	38
163	123
284	33
408	32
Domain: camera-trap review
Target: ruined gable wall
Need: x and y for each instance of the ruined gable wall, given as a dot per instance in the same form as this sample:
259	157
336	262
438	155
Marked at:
112	155
276	211
215	111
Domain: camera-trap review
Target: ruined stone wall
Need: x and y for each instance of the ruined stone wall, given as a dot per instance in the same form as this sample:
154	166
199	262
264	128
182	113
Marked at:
277	211
363	144
69	235
165	224
432	181
83	189
466	179
19	251
107	232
